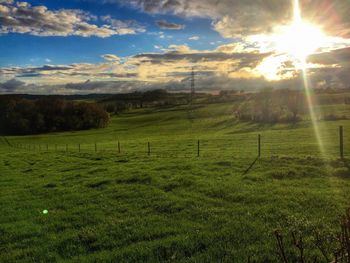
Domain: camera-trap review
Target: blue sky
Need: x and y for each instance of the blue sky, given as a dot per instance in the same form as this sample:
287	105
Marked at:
111	46
25	49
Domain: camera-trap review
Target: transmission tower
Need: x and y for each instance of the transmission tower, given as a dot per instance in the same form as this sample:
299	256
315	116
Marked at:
193	89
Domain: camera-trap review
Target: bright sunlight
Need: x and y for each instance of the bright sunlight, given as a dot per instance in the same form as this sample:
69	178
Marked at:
300	39
291	43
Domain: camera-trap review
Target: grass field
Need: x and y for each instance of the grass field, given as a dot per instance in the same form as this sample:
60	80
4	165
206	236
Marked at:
170	206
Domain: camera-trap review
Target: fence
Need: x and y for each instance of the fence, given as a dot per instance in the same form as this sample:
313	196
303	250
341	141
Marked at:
236	145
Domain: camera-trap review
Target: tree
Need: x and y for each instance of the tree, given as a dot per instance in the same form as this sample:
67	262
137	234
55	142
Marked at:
263	105
295	104
22	116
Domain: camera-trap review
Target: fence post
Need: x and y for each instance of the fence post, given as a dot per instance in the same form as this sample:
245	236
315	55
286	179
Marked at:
149	148
259	145
341	142
118	147
198	150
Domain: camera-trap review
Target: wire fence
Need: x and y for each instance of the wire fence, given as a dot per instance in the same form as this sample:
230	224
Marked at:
237	145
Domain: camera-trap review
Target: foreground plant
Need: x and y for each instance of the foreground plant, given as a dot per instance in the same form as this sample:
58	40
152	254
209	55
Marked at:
292	248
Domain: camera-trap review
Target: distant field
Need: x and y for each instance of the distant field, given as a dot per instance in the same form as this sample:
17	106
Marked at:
175	132
171	205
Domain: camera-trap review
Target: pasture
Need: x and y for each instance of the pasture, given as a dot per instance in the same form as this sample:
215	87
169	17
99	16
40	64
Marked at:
170	205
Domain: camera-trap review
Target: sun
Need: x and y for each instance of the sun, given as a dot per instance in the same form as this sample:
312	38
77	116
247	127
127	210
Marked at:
299	39
291	45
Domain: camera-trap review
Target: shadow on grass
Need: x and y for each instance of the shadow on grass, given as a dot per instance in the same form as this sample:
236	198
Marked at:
346	172
253	127
251	166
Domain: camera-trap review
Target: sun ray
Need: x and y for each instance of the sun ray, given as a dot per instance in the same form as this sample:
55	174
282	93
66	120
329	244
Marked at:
307	88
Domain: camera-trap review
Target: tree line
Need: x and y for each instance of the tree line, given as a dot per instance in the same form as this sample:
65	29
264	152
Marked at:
119	103
272	106
21	116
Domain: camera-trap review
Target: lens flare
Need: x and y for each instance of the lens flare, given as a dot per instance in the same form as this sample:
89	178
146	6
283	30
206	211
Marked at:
299	39
302	56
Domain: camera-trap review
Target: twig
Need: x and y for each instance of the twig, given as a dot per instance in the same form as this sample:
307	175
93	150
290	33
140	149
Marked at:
299	245
281	246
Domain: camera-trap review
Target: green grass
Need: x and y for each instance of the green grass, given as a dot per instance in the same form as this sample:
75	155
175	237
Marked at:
171	206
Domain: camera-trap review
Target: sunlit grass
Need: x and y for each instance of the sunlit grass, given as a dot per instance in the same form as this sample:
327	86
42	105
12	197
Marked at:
172	205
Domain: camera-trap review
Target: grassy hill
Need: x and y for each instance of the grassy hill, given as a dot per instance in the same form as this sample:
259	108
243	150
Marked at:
171	206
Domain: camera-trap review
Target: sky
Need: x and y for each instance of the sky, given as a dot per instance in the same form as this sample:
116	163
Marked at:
113	46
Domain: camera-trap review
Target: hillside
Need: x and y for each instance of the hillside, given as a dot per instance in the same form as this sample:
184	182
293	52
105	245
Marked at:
171	205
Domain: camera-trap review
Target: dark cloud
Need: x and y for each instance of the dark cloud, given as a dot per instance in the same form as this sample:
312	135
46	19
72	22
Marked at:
15	86
11	85
168	25
243	59
335	57
104	86
32	71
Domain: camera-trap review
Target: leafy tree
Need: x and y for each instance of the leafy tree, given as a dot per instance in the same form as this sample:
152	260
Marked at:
22	116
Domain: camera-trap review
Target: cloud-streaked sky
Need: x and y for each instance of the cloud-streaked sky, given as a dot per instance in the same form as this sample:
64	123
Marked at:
108	46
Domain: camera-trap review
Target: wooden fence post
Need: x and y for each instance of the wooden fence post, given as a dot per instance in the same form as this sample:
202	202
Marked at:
198	150
259	145
341	142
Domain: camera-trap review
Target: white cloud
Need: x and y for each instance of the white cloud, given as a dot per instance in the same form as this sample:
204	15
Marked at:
194	38
40	21
111	57
6	2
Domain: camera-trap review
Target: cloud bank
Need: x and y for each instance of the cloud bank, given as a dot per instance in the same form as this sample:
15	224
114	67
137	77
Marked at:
239	18
226	67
